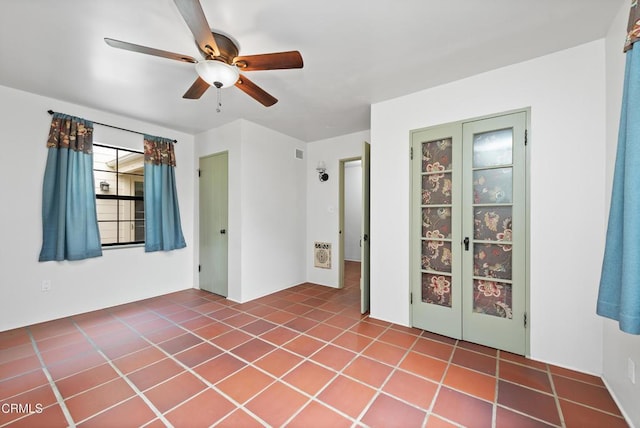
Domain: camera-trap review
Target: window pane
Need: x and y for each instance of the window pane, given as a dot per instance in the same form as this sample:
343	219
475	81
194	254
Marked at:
119	177
107	210
108	232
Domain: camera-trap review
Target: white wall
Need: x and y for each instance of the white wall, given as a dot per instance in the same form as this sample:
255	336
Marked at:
273	211
323	199
566	93
618	347
267	207
120	275
352	210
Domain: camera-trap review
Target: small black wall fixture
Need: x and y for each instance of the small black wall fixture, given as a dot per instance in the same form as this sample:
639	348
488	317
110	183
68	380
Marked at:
322	171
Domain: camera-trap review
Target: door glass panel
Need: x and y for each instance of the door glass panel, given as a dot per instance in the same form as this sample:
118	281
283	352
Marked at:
436	289
436	189
492	261
492	298
437	155
436	219
436	255
493	186
493	148
492	223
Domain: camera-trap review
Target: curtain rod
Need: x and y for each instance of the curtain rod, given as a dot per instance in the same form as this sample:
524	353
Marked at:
114	127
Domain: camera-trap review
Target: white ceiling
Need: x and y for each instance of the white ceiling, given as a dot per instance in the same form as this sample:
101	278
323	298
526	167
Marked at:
356	52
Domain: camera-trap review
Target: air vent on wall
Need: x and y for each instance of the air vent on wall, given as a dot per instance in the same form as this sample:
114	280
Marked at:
299	154
322	255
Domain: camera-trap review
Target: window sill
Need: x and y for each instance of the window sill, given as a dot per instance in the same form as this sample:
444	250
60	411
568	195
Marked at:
121	246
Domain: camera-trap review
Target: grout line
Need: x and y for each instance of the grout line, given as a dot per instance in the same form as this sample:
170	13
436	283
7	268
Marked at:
494	410
196	374
440	384
395	368
52	384
332	299
122	376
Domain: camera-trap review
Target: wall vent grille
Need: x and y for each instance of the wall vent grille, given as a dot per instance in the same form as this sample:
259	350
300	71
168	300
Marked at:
322	255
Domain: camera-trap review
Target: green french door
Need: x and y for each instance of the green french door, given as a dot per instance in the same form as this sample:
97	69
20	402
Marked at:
469	234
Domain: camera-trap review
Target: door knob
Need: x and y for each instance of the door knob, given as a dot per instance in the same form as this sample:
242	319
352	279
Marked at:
466	243
223	231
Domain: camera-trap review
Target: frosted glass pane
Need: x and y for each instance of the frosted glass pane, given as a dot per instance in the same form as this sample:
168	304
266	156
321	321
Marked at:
493	148
493	186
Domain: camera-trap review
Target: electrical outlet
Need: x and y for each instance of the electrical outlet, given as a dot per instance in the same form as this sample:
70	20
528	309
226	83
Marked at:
631	370
46	285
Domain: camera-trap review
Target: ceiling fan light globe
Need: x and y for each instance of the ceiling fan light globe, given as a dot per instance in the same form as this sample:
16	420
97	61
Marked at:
217	73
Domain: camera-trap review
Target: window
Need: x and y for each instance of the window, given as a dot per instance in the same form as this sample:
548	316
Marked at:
119	181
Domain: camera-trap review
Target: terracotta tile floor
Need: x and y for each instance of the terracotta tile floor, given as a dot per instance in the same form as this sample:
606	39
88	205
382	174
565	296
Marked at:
302	357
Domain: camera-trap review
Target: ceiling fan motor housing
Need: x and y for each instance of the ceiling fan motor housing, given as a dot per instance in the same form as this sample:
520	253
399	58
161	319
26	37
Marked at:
228	49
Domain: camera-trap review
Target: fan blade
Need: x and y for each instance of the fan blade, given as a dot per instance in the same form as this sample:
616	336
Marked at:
192	13
269	61
149	51
255	92
196	90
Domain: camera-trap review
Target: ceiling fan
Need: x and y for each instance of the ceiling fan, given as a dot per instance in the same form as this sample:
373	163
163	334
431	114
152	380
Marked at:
221	65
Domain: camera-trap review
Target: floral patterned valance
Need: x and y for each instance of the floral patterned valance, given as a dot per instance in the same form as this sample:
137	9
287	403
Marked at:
70	132
633	27
159	151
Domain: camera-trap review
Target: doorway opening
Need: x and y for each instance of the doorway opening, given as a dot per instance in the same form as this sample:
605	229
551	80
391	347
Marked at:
350	221
353	248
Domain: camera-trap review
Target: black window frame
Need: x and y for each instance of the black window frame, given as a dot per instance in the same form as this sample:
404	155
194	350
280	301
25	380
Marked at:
118	197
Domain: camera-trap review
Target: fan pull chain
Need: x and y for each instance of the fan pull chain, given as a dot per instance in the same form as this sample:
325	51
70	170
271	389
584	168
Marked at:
219	105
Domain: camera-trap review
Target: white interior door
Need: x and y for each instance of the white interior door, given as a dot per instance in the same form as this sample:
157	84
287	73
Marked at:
214	202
